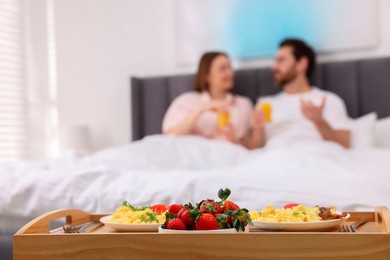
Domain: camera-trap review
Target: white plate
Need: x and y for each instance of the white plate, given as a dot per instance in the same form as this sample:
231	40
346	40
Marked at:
228	230
301	226
147	227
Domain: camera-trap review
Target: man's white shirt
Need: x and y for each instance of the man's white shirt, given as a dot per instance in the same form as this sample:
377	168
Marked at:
288	122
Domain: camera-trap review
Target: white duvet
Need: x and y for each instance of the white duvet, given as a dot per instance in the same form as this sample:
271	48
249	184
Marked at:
162	169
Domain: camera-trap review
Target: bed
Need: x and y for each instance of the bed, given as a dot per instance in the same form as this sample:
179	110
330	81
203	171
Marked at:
364	85
156	168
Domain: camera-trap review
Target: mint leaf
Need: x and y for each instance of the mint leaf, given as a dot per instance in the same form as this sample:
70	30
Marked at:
143	208
151	217
127	204
223	194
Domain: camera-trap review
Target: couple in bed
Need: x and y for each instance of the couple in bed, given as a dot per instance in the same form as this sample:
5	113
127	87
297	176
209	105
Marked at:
300	111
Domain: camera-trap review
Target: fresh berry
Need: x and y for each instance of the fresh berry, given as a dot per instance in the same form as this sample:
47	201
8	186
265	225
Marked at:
224	221
175	208
187	218
181	211
176	224
206	221
210	206
230	205
159	208
241	219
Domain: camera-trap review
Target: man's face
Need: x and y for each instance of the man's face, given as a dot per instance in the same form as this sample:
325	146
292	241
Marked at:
285	66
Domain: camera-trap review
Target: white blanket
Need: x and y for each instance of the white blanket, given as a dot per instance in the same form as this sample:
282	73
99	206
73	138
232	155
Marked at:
162	169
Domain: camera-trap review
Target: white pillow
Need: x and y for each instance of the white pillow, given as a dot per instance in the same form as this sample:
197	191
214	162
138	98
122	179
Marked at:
362	131
382	133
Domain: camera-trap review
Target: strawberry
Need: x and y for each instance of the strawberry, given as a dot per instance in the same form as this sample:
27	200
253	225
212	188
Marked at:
241	219
176	224
188	218
224	221
227	204
210	206
181	211
206	221
175	208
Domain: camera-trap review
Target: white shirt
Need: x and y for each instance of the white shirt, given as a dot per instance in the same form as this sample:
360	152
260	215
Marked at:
288	122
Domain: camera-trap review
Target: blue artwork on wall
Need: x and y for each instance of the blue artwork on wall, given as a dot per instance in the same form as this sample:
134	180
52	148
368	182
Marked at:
250	29
256	26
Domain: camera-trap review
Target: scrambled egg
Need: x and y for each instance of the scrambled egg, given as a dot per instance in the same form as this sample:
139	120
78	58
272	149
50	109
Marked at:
298	213
126	215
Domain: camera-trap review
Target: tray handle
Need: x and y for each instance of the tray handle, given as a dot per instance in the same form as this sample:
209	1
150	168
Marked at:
382	217
40	225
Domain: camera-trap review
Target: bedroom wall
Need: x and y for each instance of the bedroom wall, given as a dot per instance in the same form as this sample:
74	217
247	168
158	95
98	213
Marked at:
101	43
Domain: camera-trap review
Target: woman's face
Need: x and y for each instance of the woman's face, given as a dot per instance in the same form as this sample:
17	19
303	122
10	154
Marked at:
221	74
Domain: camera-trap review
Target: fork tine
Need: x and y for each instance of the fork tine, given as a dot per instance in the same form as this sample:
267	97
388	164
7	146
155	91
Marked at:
353	229
80	228
341	228
75	229
70	229
350	229
344	228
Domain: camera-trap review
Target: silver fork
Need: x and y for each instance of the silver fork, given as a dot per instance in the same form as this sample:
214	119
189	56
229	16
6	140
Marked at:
352	227
80	228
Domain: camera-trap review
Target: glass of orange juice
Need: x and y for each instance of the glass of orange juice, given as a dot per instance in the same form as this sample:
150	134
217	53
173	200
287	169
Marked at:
223	119
267	109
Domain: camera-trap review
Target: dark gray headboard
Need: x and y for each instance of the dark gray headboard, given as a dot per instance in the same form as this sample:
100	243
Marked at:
363	84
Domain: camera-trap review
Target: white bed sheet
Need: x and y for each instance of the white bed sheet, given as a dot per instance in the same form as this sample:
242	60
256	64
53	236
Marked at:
161	169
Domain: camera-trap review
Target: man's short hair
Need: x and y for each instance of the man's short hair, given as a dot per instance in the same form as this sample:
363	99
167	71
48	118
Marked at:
301	49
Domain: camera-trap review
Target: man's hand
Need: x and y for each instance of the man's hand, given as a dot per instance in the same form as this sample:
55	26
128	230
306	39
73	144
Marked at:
257	119
314	114
311	111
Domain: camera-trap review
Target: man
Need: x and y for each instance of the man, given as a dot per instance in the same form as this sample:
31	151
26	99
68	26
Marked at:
301	111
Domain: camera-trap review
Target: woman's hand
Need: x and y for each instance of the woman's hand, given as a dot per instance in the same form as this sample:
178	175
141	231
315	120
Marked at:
257	119
228	133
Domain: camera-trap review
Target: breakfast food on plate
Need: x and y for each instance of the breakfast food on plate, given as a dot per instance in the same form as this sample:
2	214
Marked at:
296	213
207	215
128	214
328	213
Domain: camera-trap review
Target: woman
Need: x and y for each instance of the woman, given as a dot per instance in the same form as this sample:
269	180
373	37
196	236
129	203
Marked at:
213	110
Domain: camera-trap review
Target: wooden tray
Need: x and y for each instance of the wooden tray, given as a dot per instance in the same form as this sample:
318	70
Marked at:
36	241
